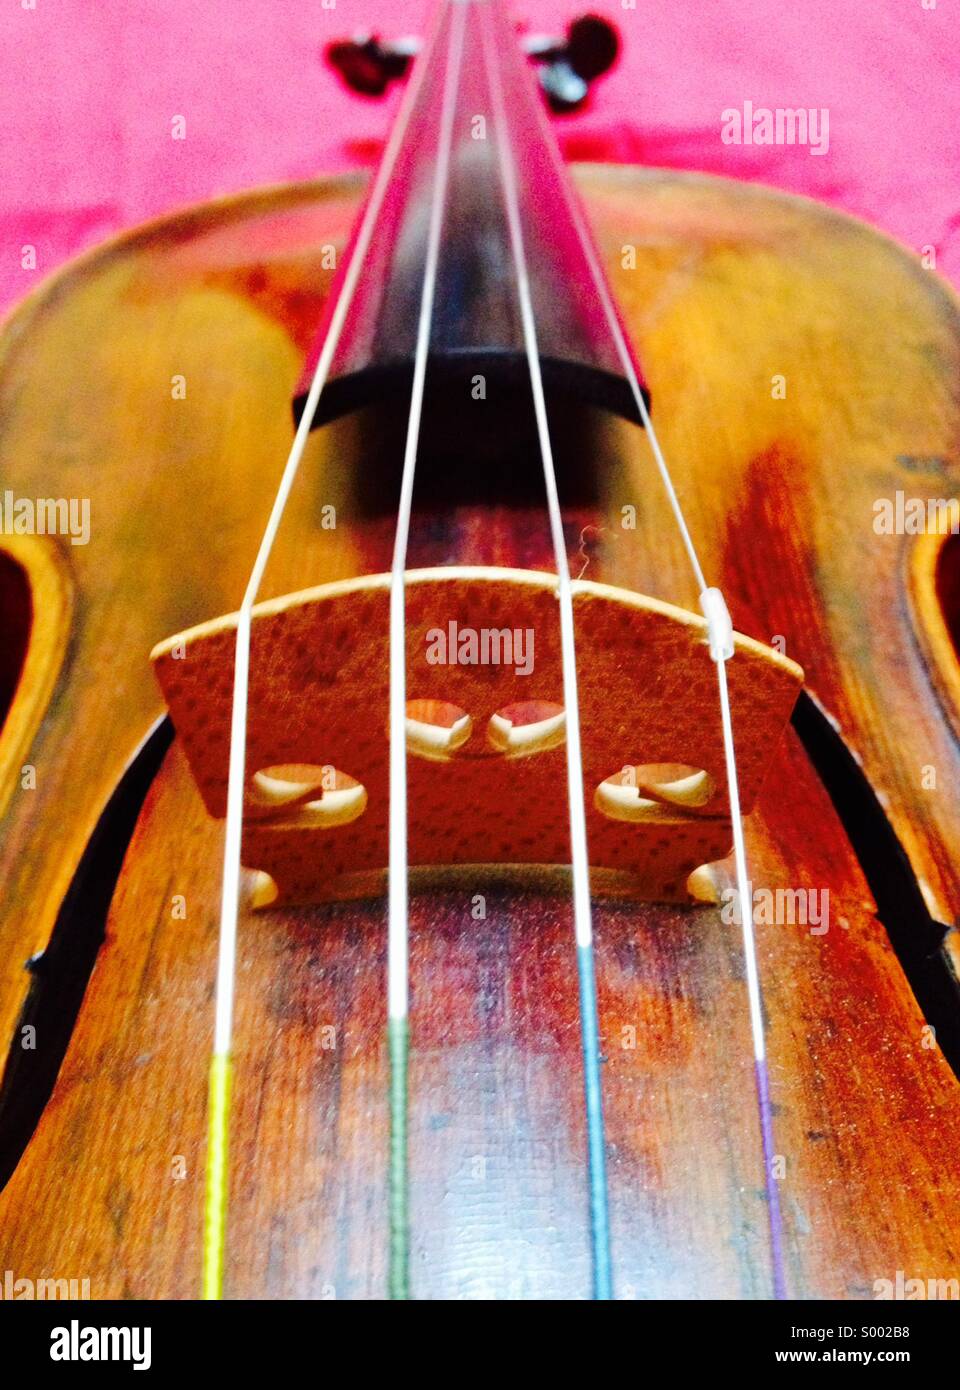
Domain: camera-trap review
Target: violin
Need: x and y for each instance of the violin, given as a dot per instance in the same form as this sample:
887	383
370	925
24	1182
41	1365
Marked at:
479	751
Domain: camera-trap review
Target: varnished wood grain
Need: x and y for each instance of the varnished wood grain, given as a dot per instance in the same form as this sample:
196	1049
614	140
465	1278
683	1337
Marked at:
732	287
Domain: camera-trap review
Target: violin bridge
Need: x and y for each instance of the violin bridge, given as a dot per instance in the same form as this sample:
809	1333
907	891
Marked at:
487	780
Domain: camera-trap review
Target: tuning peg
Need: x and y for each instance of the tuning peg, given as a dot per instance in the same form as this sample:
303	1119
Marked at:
368	65
567	66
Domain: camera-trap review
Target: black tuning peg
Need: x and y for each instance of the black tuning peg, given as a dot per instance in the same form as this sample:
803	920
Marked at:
368	65
567	66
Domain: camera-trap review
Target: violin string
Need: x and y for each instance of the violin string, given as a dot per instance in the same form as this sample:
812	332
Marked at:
580	865
398	928
710	598
218	1121
220	1069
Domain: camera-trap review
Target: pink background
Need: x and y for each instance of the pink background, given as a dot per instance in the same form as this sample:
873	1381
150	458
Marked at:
89	90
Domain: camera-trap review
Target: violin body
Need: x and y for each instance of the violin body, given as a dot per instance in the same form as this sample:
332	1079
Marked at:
801	367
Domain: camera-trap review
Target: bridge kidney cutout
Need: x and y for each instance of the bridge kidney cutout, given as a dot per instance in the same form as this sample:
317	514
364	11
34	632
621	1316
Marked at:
304	796
437	729
653	791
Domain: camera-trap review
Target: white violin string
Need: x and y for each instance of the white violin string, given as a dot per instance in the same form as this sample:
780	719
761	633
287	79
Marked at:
217	1167
398	894
580	863
744	894
578	823
229	910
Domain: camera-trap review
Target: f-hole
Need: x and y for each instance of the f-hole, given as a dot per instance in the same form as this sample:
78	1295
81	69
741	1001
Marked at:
934	574
16	623
36	601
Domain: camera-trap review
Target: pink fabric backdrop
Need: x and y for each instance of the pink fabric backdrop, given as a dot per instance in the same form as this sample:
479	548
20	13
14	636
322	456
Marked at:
89	91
